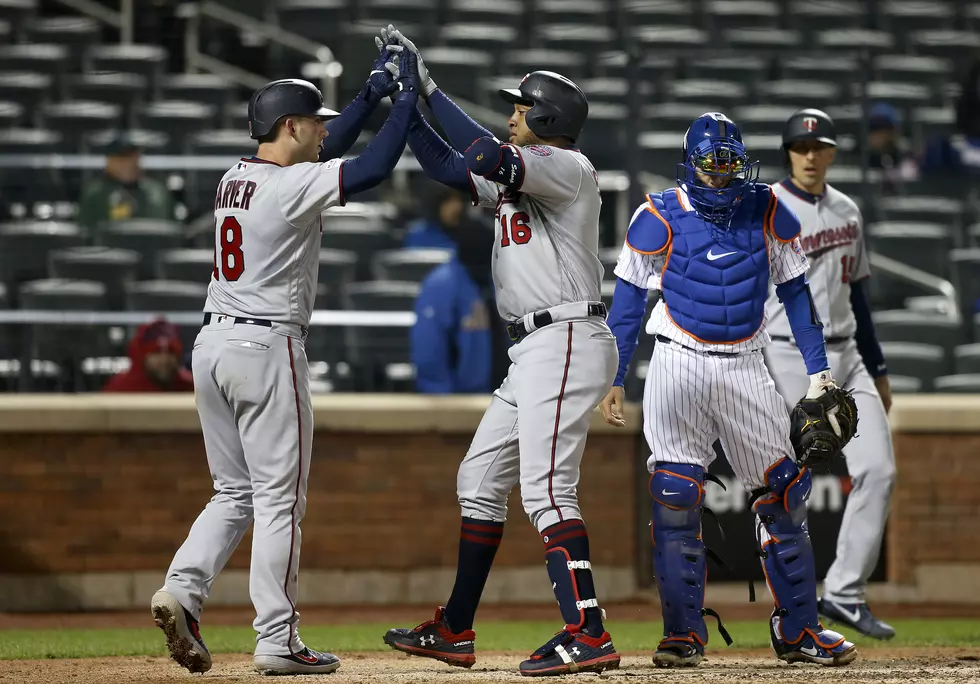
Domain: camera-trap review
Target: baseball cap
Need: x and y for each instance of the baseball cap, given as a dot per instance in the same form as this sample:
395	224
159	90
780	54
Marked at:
883	115
121	143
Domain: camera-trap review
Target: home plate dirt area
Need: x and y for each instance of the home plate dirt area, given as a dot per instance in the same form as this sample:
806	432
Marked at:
879	666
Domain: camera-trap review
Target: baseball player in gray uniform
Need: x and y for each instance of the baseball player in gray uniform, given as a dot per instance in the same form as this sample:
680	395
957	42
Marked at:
547	277
251	376
832	237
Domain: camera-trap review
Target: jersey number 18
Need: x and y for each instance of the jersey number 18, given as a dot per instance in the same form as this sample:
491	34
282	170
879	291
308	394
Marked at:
232	260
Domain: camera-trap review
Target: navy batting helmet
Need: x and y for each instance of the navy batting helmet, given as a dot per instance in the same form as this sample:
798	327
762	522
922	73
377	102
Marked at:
290	96
809	124
558	106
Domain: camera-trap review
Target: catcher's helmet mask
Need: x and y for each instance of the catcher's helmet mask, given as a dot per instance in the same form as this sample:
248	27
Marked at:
282	98
558	107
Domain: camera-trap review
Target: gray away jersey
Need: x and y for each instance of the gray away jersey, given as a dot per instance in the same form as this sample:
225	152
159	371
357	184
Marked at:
833	239
267	238
547	234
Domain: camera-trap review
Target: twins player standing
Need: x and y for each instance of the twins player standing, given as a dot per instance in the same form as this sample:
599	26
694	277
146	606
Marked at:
251	376
833	241
547	277
712	245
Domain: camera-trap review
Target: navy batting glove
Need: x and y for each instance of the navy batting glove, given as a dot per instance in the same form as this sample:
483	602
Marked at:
483	156
408	73
380	83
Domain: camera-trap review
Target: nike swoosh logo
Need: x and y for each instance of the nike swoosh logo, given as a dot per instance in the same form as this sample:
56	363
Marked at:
712	256
666	493
810	651
854	617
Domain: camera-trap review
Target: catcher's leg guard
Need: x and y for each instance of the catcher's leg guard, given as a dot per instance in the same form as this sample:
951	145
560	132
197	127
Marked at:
787	560
679	563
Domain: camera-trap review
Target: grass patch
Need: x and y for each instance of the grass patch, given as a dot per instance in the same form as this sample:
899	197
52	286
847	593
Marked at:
520	637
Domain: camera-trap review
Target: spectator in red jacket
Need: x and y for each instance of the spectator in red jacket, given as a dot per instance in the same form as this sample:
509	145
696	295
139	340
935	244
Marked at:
155	353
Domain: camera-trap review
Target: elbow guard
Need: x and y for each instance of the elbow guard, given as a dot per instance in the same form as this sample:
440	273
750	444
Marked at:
498	163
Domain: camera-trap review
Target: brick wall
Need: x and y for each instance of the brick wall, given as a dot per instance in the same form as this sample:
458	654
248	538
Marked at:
95	502
936	503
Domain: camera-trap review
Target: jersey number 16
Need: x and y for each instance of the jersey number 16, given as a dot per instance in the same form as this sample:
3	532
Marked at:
229	243
519	232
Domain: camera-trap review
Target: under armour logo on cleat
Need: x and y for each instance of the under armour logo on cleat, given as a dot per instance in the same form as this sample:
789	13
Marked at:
431	641
575	651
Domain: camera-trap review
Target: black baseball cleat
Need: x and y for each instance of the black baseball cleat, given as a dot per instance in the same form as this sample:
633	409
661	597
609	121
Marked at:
857	616
434	639
183	634
678	652
306	661
572	651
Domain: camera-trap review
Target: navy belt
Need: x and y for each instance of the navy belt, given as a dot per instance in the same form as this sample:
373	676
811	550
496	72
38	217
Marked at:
667	340
517	331
247	321
828	340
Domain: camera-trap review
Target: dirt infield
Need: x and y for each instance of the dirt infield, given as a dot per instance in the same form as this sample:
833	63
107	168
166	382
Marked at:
879	666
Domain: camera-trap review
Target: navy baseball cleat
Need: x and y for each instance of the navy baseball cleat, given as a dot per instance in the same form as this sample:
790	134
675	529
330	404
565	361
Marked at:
572	651
434	639
825	647
857	616
678	652
183	634
306	661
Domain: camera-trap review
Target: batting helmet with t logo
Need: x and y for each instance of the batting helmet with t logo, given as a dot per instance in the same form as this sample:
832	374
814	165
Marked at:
287	97
558	107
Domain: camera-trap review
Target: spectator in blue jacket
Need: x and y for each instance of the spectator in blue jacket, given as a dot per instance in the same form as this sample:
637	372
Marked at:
960	151
444	219
453	340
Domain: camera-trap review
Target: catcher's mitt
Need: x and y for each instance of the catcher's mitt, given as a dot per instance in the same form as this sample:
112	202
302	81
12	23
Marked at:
821	427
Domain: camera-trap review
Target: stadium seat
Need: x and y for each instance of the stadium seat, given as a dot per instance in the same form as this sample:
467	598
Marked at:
409	265
958	384
66	345
828	14
508	12
744	69
748	39
667	13
755	13
51	59
24	247
363	235
235	116
584	38
923	361
966	358
922	245
903	384
148	60
124	90
460	70
761	119
657	68
168	296
75	118
923	328
372	349
902	16
337	270
842	38
722	92
179	119
9	336
594	12
799	93
150	142
923	209
147	236
209	89
75	33
114	268
494	38
27	88
319	20
912	68
652	37
574	65
187	265
605	134
819	67
674	118
932	122
234	143
11	114
966	279
951	44
397	12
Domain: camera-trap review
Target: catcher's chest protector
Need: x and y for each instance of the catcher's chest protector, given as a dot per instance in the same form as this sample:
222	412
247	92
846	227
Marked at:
715	282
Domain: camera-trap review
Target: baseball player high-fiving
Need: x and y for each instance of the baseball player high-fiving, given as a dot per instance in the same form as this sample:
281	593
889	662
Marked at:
251	376
547	277
712	245
832	237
